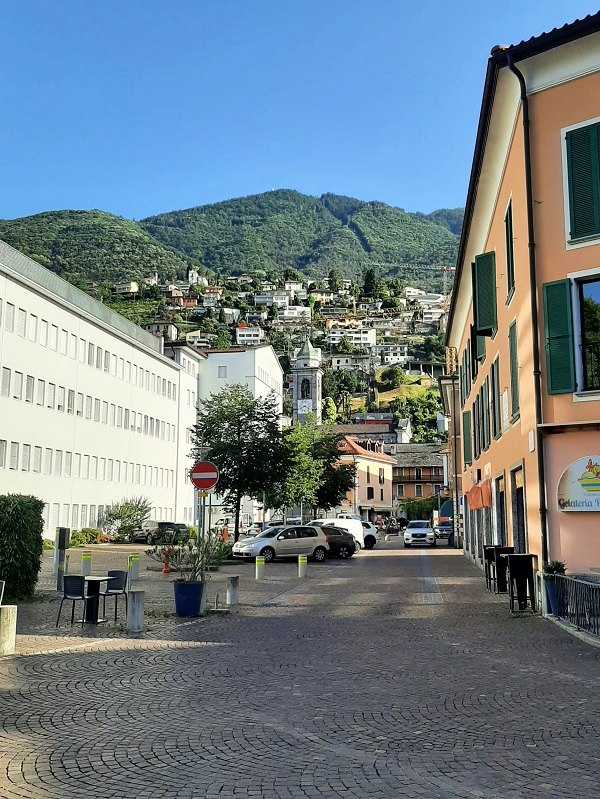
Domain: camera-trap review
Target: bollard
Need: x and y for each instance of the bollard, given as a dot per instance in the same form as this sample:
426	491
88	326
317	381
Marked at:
8	629
135	611
61	544
302	561
259	568
233	584
133	568
86	563
387	538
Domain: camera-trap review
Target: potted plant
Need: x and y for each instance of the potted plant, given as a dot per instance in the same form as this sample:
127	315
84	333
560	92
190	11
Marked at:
552	568
190	561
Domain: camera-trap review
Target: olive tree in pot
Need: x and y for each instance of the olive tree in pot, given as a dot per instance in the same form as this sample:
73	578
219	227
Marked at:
552	568
191	561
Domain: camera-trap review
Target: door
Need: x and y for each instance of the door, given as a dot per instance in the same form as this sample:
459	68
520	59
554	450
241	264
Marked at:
518	512
307	540
287	542
500	513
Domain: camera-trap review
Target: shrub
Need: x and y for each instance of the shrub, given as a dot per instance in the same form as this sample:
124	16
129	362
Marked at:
88	535
21	526
47	544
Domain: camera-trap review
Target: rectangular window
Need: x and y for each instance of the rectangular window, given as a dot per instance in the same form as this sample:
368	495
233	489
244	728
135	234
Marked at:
5	385
112	415
495	399
14	455
77	469
126	418
79	404
514	370
381	476
21	322
589	306
51	397
137	473
44	333
74	516
82	349
48	461
64	341
437	489
109	469
58	461
18	385
418	473
106	361
119	416
73	346
96	410
466	434
368	474
370	492
583	171
418	490
60	398
29	388
484	294
9	317
90	359
2	454
88	407
37	459
33	327
400	489
68	463
102	472
26	458
86	467
104	413
133	421
121	367
53	337
221	371
99	358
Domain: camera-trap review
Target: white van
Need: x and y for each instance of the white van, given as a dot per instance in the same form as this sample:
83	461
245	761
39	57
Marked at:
365	534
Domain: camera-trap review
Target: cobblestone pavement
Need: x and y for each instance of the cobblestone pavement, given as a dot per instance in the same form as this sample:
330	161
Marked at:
394	674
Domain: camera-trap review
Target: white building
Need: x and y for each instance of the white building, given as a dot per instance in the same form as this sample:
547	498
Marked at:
249	336
258	368
91	411
294	313
358	337
277	299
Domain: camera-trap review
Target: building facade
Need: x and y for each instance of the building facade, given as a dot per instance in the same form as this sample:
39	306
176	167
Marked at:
525	313
91	411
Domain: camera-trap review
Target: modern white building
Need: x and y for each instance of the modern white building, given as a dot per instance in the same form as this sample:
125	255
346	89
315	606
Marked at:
91	410
358	337
294	314
276	299
249	336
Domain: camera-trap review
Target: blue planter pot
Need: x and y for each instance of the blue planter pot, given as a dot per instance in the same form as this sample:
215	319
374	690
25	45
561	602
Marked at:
188	598
552	595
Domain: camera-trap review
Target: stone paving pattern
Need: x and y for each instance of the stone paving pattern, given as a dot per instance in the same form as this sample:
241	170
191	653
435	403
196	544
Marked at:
394	674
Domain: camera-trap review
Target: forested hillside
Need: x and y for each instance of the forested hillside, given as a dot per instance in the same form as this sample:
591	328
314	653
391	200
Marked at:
91	245
272	231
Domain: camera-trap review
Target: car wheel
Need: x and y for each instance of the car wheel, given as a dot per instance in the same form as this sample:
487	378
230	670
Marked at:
268	553
320	554
358	546
345	551
369	542
149	538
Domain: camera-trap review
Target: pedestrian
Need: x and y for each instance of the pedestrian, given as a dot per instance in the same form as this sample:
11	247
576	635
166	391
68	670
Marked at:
225	532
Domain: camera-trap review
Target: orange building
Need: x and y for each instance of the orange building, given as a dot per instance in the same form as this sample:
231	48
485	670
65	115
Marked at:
371	497
524	322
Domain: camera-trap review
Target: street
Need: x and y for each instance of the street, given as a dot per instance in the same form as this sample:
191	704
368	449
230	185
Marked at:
393	674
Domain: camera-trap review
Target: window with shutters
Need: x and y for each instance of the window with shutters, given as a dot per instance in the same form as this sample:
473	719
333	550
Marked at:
466	433
514	371
510	254
484	294
583	176
589	307
558	337
496	411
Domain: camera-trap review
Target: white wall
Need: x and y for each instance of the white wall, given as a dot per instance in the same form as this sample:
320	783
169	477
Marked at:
257	368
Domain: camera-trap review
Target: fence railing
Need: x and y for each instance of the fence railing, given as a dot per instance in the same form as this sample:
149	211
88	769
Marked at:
578	601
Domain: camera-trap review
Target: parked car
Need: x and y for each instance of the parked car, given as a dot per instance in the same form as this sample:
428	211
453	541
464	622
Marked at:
143	534
276	542
443	531
161	533
341	542
365	534
419	531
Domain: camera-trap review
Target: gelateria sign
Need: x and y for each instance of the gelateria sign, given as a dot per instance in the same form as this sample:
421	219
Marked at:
579	485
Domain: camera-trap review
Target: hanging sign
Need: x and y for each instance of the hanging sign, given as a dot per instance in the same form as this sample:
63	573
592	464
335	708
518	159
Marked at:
579	485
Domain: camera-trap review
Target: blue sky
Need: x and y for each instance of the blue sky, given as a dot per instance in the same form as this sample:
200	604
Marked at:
141	107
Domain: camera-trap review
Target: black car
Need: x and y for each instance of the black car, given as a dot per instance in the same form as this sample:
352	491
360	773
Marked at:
163	533
341	542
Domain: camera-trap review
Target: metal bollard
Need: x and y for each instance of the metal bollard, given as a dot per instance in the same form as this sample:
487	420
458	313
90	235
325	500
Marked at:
302	561
233	584
135	611
133	568
61	544
8	629
259	568
86	563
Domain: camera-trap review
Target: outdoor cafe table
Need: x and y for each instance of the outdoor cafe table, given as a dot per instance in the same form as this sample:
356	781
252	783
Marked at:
93	603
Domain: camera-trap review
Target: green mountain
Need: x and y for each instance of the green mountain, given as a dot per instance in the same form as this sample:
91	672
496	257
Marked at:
91	245
285	229
273	231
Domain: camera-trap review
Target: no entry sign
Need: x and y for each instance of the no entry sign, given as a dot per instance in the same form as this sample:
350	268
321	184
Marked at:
204	475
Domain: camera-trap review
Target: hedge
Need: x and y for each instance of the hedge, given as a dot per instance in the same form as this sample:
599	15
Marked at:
21	526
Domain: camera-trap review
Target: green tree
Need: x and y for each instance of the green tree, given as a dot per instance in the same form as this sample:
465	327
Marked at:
328	410
393	376
241	435
336	280
344	346
302	473
337	478
422	410
370	284
122	518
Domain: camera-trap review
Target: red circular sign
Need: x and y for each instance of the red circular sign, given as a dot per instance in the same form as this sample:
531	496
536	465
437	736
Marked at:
204	475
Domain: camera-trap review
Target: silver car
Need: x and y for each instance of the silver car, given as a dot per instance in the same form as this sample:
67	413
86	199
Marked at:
419	531
287	541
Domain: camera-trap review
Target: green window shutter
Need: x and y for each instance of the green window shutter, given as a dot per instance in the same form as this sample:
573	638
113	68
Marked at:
466	432
486	412
584	181
558	329
484	294
510	253
480	348
514	370
496	420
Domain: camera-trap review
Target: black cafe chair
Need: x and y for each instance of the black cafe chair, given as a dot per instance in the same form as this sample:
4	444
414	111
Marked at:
74	591
116	588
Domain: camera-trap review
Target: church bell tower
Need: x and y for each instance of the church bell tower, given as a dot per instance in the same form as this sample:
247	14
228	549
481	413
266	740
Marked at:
307	384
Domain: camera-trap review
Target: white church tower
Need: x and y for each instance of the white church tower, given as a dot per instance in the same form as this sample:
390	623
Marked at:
307	384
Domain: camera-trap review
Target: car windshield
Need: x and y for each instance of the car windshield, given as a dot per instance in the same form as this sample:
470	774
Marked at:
271	533
420	525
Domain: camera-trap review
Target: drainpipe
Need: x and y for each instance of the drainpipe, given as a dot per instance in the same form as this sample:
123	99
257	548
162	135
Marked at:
537	374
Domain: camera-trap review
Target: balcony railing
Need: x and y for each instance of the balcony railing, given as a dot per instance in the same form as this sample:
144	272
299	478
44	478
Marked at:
579	601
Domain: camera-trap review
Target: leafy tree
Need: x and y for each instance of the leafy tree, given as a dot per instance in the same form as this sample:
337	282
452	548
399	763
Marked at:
336	280
422	411
121	518
344	347
434	348
393	376
241	435
301	474
337	478
370	285
328	410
